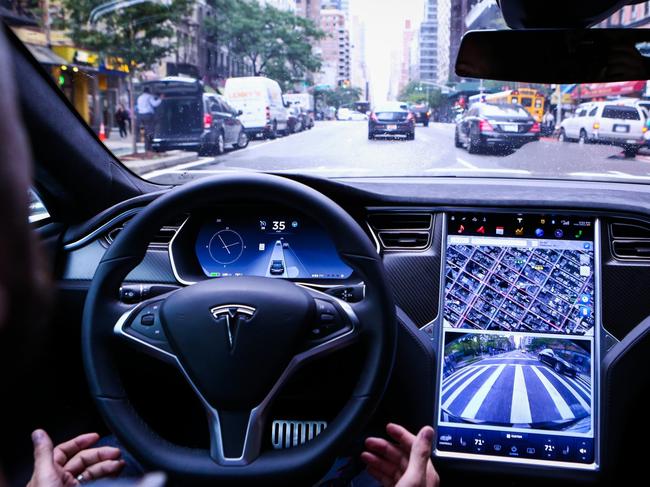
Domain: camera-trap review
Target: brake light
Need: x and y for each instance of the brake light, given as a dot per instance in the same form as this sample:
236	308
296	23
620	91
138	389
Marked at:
535	127
207	120
268	113
484	126
373	117
428	114
410	117
596	125
515	92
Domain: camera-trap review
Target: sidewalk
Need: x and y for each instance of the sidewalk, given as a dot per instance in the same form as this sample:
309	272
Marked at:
122	148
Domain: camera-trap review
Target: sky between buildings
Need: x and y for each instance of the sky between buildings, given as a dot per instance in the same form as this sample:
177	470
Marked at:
384	21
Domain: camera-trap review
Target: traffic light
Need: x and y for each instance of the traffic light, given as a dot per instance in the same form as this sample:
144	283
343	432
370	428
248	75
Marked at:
61	80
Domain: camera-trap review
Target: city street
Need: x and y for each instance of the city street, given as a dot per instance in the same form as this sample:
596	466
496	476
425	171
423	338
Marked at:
515	388
341	149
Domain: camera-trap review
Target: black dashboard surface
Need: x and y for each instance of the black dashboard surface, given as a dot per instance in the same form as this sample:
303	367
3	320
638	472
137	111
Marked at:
414	274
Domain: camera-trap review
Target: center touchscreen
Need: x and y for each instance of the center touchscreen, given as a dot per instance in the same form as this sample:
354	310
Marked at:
519	339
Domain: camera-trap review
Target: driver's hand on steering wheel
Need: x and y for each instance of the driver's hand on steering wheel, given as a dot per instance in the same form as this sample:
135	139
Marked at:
73	462
405	463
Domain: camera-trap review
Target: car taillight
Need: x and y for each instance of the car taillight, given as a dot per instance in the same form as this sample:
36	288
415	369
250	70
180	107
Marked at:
410	117
207	120
535	127
484	126
428	114
373	117
268	113
596	125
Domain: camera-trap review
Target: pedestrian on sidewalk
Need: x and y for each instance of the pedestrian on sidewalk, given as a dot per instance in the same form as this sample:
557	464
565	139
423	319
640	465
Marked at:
121	118
146	106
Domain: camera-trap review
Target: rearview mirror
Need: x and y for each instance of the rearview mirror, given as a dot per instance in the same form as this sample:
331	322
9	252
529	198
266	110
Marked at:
556	55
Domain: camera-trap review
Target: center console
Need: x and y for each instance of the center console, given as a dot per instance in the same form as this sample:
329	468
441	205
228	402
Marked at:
519	339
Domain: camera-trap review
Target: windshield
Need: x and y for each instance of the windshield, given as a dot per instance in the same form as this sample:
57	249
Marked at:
182	89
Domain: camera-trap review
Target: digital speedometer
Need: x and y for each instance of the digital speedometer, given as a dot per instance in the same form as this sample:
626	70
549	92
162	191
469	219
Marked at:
276	246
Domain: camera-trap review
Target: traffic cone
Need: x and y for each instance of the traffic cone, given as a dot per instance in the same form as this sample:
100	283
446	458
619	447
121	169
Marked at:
102	132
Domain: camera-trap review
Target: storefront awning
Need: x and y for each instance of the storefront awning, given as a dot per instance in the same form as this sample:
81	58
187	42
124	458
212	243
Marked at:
602	90
45	55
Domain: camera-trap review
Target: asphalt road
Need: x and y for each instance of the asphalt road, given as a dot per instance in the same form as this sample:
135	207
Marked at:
342	149
515	388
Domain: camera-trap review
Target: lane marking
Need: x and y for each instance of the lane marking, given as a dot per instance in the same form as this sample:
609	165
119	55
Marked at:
575	393
461	388
561	405
477	400
460	377
463	162
579	385
610	175
520	408
452	169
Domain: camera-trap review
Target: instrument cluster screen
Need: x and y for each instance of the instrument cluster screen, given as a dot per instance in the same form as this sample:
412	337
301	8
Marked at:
269	246
519	339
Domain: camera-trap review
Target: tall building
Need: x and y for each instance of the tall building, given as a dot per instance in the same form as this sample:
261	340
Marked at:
428	56
342	5
309	9
335	48
630	16
406	62
444	20
358	67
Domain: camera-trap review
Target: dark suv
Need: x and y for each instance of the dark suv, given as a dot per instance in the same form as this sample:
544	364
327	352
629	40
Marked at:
191	119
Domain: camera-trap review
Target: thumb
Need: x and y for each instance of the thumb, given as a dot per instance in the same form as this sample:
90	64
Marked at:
420	455
43	456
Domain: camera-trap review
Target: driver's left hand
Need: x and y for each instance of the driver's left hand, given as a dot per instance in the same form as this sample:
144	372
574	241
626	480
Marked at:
73	462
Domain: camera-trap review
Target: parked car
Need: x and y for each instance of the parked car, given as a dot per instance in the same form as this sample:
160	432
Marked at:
260	100
556	362
607	122
390	119
343	113
191	119
294	121
499	125
422	113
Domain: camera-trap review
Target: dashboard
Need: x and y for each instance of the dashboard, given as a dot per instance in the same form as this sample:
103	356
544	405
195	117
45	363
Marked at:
509	303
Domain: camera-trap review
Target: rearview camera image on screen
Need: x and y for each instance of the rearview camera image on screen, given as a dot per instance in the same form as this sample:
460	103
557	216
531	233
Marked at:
522	381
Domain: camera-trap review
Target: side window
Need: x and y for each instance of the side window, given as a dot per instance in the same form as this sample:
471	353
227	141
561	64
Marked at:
593	111
582	112
37	210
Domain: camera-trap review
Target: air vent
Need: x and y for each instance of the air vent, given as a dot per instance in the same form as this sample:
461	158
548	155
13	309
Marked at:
400	221
160	240
630	239
401	231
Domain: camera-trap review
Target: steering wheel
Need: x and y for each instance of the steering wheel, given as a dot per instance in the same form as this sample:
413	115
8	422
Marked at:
237	340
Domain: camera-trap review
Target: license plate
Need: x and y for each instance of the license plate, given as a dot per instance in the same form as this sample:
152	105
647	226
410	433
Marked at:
509	128
631	141
621	128
391	127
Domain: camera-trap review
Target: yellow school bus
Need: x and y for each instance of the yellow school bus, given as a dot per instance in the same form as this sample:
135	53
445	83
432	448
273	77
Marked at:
531	99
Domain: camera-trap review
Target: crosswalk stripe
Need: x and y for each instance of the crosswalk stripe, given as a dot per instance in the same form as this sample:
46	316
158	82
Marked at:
561	405
462	387
579	385
458	373
475	403
460	377
575	393
520	408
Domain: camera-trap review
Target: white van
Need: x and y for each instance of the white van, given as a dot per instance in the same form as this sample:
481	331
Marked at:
260	100
607	122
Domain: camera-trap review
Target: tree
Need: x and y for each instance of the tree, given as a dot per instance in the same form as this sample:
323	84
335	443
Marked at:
341	96
139	35
417	92
278	44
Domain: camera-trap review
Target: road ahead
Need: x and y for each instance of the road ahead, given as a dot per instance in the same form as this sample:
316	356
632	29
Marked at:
515	388
342	149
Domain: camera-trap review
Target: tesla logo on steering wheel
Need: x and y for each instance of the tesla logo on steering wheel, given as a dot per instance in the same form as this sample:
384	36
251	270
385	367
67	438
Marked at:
234	314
